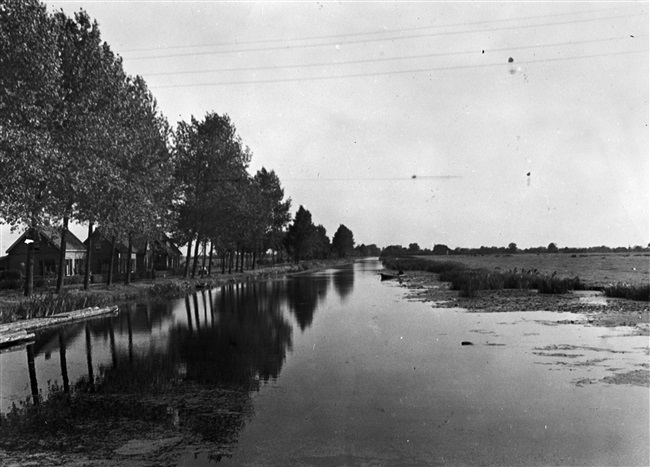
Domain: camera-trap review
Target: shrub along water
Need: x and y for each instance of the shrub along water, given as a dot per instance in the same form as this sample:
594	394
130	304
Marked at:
631	292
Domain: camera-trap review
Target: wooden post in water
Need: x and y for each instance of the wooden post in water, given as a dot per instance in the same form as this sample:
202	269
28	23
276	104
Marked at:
128	324
31	367
89	359
111	335
64	364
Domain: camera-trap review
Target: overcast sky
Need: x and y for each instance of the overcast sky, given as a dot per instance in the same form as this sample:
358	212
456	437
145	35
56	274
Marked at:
465	124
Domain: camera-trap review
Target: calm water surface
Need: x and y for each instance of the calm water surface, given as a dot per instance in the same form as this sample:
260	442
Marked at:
342	369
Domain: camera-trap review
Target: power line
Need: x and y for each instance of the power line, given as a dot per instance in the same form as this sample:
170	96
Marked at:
387	179
361	41
385	31
394	72
389	59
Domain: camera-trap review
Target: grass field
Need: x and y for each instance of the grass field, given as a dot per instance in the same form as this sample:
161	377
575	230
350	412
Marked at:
592	269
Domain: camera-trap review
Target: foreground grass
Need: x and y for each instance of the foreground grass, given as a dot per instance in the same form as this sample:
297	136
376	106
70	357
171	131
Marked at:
469	281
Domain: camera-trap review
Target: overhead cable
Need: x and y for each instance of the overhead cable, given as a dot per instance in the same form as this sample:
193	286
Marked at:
390	59
384	31
360	41
394	72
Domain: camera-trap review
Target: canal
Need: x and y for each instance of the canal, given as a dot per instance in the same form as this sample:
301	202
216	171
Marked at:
327	368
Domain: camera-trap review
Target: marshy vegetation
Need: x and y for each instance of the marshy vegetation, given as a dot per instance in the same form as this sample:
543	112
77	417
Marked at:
631	292
469	281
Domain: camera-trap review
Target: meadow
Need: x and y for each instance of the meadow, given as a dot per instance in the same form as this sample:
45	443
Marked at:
617	275
597	270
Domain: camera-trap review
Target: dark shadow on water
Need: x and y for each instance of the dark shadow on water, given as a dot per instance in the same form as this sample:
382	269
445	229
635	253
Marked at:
193	380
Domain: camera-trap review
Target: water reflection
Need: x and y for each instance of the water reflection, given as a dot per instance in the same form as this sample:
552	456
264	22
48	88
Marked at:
304	294
343	282
189	364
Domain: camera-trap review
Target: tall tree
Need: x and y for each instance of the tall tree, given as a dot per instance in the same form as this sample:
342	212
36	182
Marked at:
208	155
144	170
343	241
275	207
87	131
322	246
29	90
301	236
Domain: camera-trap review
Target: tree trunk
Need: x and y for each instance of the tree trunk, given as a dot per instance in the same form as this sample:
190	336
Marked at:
29	266
188	259
89	249
196	256
145	260
230	260
210	262
223	261
111	264
253	265
64	243
205	246
129	265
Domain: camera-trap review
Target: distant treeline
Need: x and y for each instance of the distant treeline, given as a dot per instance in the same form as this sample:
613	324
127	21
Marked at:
414	249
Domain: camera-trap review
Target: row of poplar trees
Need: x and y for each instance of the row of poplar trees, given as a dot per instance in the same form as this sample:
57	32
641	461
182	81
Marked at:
82	141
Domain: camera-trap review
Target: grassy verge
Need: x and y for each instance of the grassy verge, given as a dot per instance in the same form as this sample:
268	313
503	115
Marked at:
14	307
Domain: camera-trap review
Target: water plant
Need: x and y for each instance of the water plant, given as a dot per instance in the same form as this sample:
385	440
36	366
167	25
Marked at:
639	292
468	281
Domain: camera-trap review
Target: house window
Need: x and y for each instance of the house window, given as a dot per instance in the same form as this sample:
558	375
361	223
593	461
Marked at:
68	267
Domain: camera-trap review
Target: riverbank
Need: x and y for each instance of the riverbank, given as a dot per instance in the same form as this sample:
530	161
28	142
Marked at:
15	307
590	307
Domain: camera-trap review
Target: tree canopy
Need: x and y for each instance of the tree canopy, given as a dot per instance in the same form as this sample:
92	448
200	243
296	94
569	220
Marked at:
82	141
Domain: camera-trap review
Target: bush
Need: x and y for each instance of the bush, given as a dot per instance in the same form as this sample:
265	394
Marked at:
631	292
171	289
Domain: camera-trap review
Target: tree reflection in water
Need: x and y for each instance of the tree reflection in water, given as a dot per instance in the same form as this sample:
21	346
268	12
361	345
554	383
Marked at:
343	280
194	385
304	294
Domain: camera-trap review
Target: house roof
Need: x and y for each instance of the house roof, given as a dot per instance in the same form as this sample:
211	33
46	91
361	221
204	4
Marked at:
170	247
121	244
53	236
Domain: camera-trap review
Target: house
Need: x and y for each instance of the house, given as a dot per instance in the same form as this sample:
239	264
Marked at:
163	253
47	248
100	256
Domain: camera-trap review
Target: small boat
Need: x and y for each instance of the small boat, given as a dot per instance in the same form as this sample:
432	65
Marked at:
387	277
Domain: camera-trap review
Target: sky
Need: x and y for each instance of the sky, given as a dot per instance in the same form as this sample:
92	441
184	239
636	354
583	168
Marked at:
464	124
